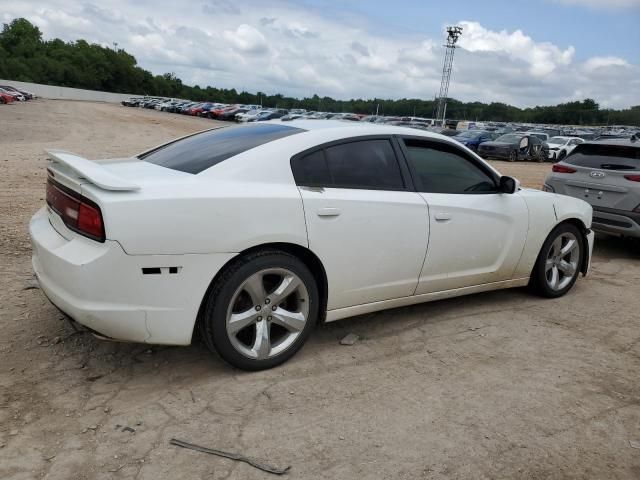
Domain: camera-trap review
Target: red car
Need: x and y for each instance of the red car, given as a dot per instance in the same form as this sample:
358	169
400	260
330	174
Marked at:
197	109
5	98
216	112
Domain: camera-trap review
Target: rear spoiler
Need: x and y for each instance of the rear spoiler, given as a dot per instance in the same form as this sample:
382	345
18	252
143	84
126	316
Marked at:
91	171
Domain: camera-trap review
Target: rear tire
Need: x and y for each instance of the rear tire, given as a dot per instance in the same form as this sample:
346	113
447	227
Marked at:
561	155
559	261
513	156
261	310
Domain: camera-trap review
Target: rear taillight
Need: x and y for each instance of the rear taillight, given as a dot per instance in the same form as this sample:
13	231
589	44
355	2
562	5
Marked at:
633	178
78	213
562	169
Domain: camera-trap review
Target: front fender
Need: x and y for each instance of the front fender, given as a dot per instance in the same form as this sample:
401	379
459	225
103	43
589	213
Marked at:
569	207
546	211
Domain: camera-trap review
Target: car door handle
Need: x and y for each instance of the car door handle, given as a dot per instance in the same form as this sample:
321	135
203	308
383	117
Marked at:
328	212
442	217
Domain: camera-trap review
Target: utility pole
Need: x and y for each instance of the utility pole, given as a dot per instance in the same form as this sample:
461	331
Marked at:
453	33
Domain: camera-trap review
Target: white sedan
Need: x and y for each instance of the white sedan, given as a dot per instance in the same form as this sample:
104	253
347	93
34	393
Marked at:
560	147
254	234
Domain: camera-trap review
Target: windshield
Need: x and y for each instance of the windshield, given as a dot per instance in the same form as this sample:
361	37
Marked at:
509	138
203	150
557	140
606	157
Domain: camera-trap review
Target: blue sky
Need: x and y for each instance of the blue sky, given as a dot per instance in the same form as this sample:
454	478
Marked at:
525	53
593	30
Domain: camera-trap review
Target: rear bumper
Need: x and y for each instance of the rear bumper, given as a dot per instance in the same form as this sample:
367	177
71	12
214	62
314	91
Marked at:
610	220
100	286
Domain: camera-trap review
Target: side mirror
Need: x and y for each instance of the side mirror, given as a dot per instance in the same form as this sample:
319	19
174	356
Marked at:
509	185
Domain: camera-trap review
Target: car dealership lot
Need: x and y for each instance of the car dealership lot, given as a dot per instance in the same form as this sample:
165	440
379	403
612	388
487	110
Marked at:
502	385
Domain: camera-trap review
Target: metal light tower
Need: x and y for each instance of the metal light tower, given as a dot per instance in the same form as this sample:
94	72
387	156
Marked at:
453	35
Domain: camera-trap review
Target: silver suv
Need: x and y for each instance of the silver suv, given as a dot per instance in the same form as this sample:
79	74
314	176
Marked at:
606	174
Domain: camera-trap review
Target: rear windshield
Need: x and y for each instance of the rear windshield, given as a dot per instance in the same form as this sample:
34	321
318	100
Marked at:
204	150
606	157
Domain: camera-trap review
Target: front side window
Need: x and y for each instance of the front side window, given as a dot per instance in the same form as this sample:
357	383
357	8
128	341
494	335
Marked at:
441	168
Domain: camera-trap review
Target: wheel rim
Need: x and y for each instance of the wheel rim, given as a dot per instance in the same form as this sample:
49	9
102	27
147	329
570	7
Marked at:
267	313
562	261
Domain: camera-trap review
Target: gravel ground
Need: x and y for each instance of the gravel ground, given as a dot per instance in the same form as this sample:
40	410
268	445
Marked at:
498	385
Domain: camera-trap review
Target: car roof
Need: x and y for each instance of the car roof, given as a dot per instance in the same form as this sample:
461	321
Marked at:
345	128
617	141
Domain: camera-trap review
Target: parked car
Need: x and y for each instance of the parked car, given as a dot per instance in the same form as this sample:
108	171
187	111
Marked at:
472	138
291	116
267	115
6	98
16	95
244	117
560	147
230	114
24	93
514	146
607	175
132	102
254	234
541	135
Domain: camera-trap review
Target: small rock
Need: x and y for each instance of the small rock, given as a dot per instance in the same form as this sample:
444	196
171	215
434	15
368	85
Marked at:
56	340
341	437
93	427
107	409
634	444
349	339
292	392
31	285
13	433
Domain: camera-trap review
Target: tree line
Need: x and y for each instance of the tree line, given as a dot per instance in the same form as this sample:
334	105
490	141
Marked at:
25	56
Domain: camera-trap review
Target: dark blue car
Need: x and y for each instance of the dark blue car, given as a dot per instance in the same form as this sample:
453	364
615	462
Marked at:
472	138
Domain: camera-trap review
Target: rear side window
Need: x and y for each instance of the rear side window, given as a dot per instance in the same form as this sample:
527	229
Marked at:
605	157
363	164
204	150
368	164
311	170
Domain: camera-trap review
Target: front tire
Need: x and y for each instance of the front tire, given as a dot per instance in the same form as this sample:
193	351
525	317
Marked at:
513	156
261	310
559	261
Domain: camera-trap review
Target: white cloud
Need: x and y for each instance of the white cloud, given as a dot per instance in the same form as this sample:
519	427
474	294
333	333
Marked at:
283	48
595	63
543	58
247	39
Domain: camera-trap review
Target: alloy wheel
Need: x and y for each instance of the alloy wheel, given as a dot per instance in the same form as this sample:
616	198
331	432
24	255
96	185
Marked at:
562	261
267	313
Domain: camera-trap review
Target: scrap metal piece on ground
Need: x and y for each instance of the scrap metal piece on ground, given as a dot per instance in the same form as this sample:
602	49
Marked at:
233	456
349	339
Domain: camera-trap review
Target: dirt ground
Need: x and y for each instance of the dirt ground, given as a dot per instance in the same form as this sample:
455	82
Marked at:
498	385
